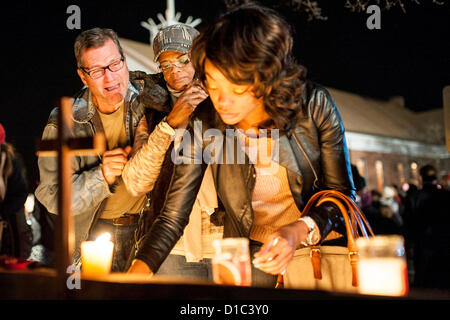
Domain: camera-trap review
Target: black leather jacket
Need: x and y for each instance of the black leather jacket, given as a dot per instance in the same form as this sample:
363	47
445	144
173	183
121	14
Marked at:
315	148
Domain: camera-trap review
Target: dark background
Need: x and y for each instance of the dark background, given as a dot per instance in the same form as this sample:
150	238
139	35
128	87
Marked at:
408	57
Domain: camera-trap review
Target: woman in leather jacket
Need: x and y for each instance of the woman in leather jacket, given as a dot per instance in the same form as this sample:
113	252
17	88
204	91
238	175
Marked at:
257	89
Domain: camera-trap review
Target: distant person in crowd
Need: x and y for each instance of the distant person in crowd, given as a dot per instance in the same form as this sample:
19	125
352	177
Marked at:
380	216
13	193
445	181
244	60
111	103
391	205
150	167
46	243
360	184
409	191
408	194
430	224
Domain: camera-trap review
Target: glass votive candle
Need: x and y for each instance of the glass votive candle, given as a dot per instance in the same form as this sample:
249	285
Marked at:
382	267
231	262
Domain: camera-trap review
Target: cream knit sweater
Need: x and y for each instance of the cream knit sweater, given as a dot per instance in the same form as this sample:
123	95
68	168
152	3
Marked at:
142	171
272	201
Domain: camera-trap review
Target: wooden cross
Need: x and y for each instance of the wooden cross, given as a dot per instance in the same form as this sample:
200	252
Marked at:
64	147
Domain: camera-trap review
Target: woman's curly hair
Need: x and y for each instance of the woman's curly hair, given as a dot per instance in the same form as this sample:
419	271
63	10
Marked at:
252	45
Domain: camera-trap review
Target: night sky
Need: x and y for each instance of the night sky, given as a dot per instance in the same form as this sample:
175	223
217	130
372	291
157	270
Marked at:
409	56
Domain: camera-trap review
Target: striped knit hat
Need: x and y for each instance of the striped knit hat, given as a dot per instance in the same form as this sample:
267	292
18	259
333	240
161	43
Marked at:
177	37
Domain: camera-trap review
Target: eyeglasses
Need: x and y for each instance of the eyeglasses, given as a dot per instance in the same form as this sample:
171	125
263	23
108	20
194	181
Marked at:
99	72
180	63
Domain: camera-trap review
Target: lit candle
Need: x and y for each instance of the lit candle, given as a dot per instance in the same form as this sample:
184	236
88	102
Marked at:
382	268
382	276
96	256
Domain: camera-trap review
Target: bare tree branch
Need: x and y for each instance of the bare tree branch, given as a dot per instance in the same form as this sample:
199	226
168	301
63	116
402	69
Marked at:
314	11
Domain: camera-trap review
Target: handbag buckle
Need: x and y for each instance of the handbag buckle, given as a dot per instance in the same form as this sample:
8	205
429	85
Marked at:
351	255
314	250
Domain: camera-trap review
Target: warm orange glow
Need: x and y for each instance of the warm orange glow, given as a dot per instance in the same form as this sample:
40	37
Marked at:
96	256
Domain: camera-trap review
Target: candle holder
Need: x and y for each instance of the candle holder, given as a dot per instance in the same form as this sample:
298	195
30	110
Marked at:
231	263
382	267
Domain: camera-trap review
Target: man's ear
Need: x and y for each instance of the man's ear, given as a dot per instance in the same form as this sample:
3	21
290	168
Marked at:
82	77
125	61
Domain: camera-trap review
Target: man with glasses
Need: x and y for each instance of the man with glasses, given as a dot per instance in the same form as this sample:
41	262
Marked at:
150	168
110	103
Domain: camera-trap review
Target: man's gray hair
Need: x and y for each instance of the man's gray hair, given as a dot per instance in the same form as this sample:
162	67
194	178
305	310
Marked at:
94	38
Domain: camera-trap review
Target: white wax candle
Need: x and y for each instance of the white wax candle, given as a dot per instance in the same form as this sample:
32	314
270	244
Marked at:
96	256
383	276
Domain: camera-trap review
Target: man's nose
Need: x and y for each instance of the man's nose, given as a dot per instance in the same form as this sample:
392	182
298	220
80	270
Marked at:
175	69
109	75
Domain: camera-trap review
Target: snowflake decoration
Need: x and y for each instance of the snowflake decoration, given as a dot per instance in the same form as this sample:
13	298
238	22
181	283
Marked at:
170	19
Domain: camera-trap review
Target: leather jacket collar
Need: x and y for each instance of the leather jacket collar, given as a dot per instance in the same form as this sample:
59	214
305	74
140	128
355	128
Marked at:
84	109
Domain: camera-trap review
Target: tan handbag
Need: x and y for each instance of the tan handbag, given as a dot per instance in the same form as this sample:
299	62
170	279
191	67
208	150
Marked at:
332	268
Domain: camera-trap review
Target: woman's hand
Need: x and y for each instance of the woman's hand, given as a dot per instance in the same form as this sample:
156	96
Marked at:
139	266
276	253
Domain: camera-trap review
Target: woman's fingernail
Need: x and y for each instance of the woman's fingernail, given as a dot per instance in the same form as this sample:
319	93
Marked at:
275	241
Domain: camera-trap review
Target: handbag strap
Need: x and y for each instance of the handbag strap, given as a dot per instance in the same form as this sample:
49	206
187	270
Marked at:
356	217
354	220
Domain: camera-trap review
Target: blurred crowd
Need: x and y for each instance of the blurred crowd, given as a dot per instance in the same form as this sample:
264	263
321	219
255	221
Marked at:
420	212
26	229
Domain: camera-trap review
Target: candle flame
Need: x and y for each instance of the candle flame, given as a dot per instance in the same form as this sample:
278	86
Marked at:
104	237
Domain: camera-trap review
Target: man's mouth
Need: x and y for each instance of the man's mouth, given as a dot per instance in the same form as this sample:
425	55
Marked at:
109	89
181	79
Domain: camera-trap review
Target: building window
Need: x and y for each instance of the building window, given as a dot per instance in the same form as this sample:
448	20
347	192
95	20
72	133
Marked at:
361	164
401	173
414	171
380	175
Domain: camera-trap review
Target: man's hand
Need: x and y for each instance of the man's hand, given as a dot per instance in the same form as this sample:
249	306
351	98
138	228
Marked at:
113	163
186	104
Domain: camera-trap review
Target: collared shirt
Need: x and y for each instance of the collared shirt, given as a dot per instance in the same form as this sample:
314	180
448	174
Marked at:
121	201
